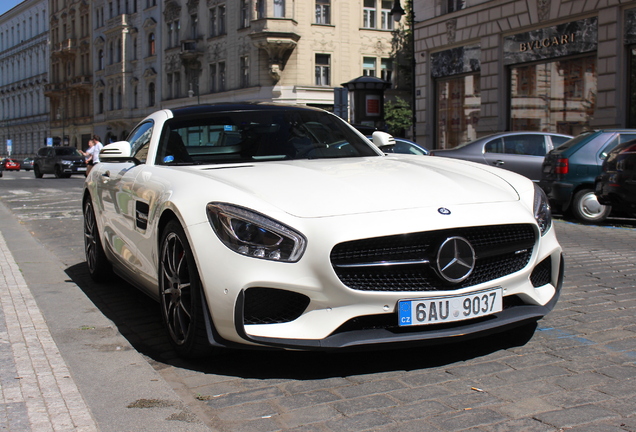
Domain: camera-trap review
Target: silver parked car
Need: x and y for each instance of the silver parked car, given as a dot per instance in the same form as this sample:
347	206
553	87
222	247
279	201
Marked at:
521	152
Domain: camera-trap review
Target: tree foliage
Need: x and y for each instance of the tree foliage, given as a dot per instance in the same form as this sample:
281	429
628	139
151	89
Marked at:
398	116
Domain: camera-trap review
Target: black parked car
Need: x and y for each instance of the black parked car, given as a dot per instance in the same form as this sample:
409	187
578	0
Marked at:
520	152
570	171
60	161
616	186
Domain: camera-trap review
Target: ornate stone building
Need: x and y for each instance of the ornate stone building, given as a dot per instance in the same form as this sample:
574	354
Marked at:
549	65
24	53
150	54
127	59
70	73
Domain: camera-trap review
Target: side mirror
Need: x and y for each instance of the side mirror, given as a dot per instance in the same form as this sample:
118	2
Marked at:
382	138
117	152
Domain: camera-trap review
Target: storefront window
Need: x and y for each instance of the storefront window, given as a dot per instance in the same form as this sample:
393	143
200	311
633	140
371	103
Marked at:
459	104
557	96
631	103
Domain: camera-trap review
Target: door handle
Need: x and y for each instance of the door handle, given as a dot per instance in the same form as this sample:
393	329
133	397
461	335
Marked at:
499	162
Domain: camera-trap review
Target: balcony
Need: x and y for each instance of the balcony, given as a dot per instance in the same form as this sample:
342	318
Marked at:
278	38
189	50
118	23
81	81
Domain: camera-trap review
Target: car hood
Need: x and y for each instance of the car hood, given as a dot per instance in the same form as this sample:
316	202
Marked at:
330	187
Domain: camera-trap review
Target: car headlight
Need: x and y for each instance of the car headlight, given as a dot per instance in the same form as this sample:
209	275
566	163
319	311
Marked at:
67	162
253	234
542	211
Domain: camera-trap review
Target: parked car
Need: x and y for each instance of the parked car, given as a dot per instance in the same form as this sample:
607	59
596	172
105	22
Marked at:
570	171
616	186
520	152
10	164
27	164
390	144
251	231
62	161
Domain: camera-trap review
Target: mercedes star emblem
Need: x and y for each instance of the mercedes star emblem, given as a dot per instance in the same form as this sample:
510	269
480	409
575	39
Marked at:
455	259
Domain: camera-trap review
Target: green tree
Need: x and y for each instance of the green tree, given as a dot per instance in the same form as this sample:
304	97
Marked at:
398	116
399	113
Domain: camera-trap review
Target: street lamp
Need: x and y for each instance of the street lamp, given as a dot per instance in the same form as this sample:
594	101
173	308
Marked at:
397	12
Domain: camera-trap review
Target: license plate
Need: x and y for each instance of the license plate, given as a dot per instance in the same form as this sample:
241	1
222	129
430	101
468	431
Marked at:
81	169
443	309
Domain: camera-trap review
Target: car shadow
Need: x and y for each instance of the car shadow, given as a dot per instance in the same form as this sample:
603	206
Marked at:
137	318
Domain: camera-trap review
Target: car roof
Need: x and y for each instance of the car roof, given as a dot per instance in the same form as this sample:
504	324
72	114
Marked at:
237	106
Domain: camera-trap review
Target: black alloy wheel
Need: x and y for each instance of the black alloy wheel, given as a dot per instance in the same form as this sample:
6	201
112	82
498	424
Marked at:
99	267
181	294
37	172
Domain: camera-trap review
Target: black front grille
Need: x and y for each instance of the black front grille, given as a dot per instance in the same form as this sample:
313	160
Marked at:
272	306
500	250
542	273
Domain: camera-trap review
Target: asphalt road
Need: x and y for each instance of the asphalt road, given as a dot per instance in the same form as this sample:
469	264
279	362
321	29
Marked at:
578	372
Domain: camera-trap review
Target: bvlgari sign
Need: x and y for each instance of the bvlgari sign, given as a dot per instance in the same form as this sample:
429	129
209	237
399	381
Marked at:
561	40
547	42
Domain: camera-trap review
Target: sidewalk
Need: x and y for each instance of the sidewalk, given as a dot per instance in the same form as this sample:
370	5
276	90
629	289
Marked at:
37	389
63	365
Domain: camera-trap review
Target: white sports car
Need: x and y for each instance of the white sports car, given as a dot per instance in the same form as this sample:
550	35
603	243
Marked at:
265	225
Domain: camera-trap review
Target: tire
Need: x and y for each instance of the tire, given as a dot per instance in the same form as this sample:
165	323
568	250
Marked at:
37	172
58	172
99	267
587	209
181	294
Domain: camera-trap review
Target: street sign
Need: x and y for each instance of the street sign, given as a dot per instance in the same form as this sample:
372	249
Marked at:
9	146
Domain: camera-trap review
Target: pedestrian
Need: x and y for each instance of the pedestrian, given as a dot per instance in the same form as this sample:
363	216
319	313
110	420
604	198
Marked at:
91	155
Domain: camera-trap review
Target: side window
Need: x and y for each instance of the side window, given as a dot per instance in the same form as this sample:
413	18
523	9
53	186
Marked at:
140	141
531	145
494	146
557	140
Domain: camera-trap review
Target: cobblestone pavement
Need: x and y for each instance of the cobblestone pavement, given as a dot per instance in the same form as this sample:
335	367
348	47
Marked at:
578	372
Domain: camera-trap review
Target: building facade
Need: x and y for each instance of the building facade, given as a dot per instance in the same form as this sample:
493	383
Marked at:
546	65
24	54
70	73
127	59
152	54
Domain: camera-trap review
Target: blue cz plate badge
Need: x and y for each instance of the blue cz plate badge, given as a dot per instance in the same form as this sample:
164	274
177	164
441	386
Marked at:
443	309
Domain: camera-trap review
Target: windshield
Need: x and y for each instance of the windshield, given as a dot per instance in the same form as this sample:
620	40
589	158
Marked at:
67	151
254	136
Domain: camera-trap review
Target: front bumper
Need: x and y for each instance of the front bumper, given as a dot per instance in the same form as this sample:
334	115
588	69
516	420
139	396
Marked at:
391	336
336	316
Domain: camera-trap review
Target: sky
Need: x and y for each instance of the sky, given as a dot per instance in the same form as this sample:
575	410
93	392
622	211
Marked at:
5	5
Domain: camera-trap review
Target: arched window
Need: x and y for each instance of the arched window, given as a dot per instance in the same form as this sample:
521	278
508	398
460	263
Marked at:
151	44
119	96
112	99
100	60
100	103
119	58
